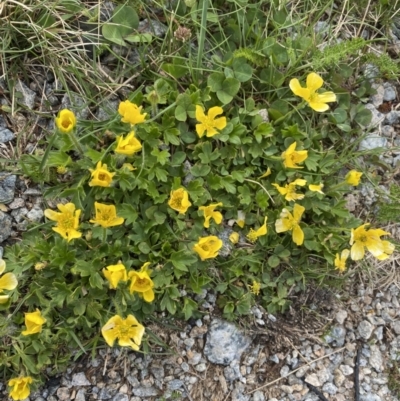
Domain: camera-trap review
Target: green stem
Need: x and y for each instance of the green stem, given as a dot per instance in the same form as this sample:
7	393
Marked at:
202	35
265	190
46	153
289	113
76	143
104	235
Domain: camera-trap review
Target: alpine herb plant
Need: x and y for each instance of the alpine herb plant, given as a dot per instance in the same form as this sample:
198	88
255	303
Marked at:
187	188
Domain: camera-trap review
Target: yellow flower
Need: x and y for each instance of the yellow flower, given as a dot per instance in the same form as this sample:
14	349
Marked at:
61	170
234	238
129	332
67	220
129	145
353	177
289	222
267	173
255	288
340	260
208	247
370	239
291	157
179	200
33	322
289	190
128	166
241	219
21	388
114	274
131	113
40	266
7	282
253	235
317	101
101	177
106	216
316	188
208	123
210	214
142	283
66	121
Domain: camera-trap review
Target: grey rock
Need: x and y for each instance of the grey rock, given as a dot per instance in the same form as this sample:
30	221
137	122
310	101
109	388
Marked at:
324	375
376	360
201	367
371	71
239	393
264	115
28	95
338	334
377	116
63	394
158	372
396	326
376	320
390	92
329	388
16	203
120	397
107	109
365	329
40	399
373	141
6	135
346	369
286	389
133	381
321	27
175	384
79	379
379	333
106	393
341	316
77	104
7	187
377	98
5	224
284	370
145	391
338	377
80	395
225	342
194	358
258	396
370	397
387	131
35	214
313	379
33	192
152	26
392	117
227	245
185	367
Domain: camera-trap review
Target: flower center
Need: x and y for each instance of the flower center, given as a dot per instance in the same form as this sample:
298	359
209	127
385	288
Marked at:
102	176
363	238
66	123
177	203
141	282
67	221
124	330
106	216
208	123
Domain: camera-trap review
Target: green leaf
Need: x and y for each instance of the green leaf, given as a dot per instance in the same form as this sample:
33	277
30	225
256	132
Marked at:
200	170
244	304
230	87
144	248
95	280
139	38
171	135
181	260
228	184
58	159
126	17
243	71
178	158
274	261
113	34
161	155
215	80
188	307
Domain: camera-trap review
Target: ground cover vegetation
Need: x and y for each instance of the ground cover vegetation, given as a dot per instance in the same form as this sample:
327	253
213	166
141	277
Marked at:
224	168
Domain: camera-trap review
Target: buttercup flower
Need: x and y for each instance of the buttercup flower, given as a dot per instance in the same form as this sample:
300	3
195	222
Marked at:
291	157
289	190
289	222
208	123
142	283
253	235
208	247
33	322
131	113
340	260
66	121
317	101
128	145
67	220
61	170
101	177
371	239
7	282
40	266
316	188
114	274
20	387
255	288
106	216
179	200
241	219
353	177
234	238
209	213
267	173
128	332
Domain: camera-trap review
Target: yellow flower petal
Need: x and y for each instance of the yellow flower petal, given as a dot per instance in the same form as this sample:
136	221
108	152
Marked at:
314	81
8	282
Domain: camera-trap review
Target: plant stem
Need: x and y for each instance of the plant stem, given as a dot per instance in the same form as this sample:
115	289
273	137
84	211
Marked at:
202	36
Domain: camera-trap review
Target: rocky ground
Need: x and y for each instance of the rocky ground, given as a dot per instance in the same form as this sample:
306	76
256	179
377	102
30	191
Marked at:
309	354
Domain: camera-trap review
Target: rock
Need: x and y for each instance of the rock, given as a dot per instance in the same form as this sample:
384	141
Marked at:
346	369
390	92
63	394
7	187
239	393
392	117
329	388
28	95
154	27
16	203
372	141
377	98
5	224
337	335
338	377
225	342
341	316
387	130
145	391
77	104
375	360
396	326
258	396
175	384
365	329
80	395
313	380
370	397
79	379
6	135
107	109
35	214
120	397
